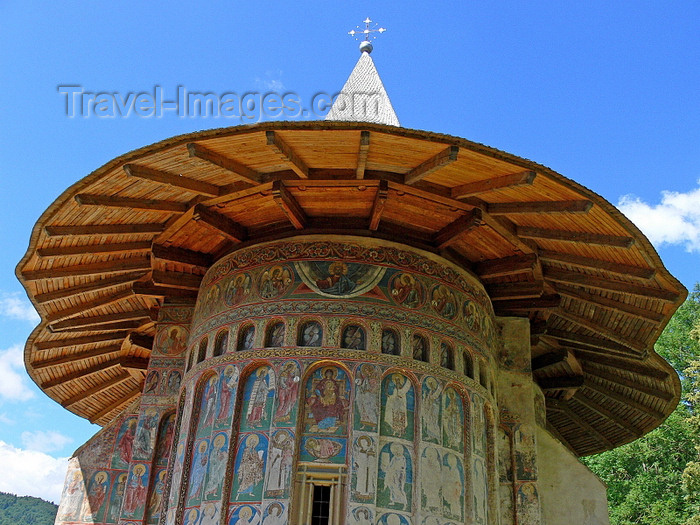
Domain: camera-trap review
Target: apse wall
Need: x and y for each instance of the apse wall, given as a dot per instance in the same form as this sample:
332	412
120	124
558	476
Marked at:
361	365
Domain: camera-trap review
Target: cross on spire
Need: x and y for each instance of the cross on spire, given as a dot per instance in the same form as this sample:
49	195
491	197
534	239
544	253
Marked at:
366	34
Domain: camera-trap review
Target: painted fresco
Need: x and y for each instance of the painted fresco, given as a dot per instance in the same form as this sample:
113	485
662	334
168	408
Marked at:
134	504
453	487
311	334
339	279
395	479
172	341
236	289
124	444
362	516
228	383
390	343
275	514
327	401
249	467
211	513
246	338
479	426
257	400
431	410
155	501
174	381
431	483
275	281
528	503
280	463
96	501
480	492
146	432
178	464
191	517
116	498
366	413
443	302
393	519
407	291
398	406
151	383
275	335
364	469
218	459
207	406
323	450
287	394
198	472
244	515
505	458
420	348
353	338
525	452
452	420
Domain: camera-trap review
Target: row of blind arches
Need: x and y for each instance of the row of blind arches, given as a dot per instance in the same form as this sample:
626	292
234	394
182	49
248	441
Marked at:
354	337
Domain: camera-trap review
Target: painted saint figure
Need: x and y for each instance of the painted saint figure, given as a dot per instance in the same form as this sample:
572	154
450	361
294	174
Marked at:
217	466
229	381
136	490
251	467
280	463
364	463
366	400
396	407
430	410
394	467
407	291
431	480
328	402
200	464
256	414
287	391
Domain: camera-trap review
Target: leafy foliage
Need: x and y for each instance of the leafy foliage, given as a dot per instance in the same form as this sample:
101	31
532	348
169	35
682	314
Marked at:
656	479
26	510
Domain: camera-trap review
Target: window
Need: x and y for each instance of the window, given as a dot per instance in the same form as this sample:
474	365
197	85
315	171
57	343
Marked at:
390	343
320	494
353	338
447	356
220	343
321	506
246	338
202	354
420	348
468	365
275	336
311	334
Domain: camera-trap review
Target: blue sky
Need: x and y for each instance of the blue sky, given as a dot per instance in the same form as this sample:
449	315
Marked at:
605	93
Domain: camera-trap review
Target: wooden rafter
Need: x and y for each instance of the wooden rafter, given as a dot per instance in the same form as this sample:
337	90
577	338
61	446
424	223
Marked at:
151	290
77	356
598	283
591	371
593	344
578	420
552	358
141	340
119	247
620	364
539	207
536	303
597	264
92	286
637	347
222	224
434	163
513	291
80	340
362	155
560	383
624	400
181	255
104	229
85	199
171	179
239	170
78	374
134	363
599	239
98	389
599	409
286	153
451	233
522	178
378	205
186	281
598	301
104	327
506	266
104	319
508	231
89	305
123	401
289	205
99	268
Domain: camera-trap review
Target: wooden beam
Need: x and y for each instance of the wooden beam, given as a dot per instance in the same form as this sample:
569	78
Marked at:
553	430
621	364
552	358
575	418
539	207
451	233
362	155
85	199
104	327
483	186
597	264
123	401
378	206
511	291
101	319
81	340
98	389
99	268
560	383
596	343
590	404
171	179
92	286
77	356
434	163
89	305
599	283
104	229
506	229
222	224
517	264
77	374
186	281
141	340
93	249
591	371
637	347
625	400
279	146
152	290
240	171
599	301
289	205
181	255
599	239
535	303
134	363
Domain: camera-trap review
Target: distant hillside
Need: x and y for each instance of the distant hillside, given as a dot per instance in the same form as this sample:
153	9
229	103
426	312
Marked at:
26	510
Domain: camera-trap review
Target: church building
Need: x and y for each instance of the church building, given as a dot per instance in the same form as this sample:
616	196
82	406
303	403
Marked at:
343	322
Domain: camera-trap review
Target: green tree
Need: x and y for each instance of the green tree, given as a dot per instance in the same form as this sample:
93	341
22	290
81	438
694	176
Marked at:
26	510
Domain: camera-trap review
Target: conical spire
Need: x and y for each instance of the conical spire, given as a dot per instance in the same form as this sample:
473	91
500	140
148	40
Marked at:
363	97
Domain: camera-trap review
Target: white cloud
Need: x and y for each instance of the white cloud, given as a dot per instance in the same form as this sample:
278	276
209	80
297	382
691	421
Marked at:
675	220
6	420
42	441
271	82
13	385
31	473
12	305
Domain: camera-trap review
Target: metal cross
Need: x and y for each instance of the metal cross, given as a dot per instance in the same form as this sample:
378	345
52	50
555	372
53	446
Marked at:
366	33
